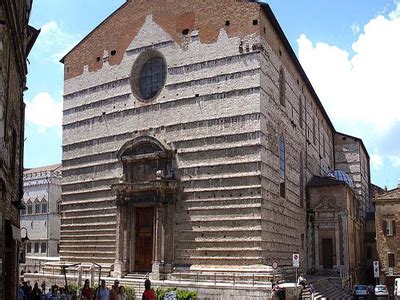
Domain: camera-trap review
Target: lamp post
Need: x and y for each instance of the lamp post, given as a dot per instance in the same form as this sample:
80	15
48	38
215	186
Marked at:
24	240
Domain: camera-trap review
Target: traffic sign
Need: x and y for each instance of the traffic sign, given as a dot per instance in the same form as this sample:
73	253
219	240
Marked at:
376	268
274	264
296	260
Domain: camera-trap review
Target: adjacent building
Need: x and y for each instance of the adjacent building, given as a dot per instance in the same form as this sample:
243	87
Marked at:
190	132
387	220
40	219
16	40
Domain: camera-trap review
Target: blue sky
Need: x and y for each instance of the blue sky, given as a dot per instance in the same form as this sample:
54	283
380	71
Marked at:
349	49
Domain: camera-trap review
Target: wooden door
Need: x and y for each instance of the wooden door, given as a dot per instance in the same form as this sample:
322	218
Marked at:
327	253
144	239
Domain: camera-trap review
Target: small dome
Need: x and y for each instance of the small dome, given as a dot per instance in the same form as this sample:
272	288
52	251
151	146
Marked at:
342	176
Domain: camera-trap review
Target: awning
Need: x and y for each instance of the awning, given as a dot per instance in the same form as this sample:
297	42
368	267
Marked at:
16	233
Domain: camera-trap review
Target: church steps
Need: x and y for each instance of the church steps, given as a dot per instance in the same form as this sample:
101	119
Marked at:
248	251
222	183
88	253
219	245
185	164
217	224
88	191
79	259
88	239
93	236
220	213
85	213
220	260
220	235
88	245
244	198
99	201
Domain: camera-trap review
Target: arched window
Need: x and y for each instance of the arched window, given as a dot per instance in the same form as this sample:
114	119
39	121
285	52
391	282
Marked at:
37	206
282	165
29	207
44	206
282	86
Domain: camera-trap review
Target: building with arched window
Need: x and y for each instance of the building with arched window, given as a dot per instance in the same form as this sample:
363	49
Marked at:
189	137
42	192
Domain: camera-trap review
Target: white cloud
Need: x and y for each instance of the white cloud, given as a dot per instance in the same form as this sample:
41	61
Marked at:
44	112
54	42
376	161
362	89
395	160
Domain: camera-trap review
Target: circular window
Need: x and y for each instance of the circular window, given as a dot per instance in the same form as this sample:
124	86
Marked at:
148	75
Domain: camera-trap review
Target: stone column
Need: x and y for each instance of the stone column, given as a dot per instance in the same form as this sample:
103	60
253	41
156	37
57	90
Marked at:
125	238
317	246
337	243
157	255
119	242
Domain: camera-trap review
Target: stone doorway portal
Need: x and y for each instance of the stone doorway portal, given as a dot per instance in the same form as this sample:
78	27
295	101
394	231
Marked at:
327	253
143	239
145	199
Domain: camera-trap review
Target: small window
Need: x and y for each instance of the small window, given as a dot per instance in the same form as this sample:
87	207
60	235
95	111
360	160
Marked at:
389	227
43	247
59	207
98	58
23	211
28	247
391	260
37	207
282	86
36	247
255	22
227	23
44	207
282	188
113	52
185	31
58	247
30	208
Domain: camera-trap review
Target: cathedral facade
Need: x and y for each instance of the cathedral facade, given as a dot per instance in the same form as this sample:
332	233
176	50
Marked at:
190	132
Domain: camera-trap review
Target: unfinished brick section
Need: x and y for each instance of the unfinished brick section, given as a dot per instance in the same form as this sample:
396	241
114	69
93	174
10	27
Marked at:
219	114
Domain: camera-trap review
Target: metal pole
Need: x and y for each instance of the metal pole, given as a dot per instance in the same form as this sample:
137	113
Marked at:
296	277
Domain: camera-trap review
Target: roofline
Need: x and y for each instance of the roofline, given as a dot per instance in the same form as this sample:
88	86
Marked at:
267	9
354	137
94	29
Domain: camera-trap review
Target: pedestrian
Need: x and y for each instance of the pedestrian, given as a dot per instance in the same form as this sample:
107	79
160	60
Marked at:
301	281
148	293
102	292
114	290
86	292
21	294
121	293
36	292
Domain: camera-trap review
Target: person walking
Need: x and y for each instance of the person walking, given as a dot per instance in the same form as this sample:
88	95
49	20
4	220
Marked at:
121	293
148	293
312	291
36	292
86	292
102	292
114	291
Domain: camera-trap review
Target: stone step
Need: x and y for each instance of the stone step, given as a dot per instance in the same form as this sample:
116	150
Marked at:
86	253
237	277
249	216
220	252
69	245
94	232
223	146
219	260
94	216
209	206
218	243
85	191
218	162
86	211
88	201
74	221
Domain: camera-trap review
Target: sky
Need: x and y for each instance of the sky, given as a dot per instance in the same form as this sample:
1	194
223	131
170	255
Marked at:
348	48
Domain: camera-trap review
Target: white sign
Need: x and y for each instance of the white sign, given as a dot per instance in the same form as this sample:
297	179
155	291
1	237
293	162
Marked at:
296	260
274	264
376	268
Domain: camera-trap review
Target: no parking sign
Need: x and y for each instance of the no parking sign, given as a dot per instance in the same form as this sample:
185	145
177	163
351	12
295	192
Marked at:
296	260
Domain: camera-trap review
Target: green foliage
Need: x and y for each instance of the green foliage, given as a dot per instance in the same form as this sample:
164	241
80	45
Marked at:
72	288
180	294
129	291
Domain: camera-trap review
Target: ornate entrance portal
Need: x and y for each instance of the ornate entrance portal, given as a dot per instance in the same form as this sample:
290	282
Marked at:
145	209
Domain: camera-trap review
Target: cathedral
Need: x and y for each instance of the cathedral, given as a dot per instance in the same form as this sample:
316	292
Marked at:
194	140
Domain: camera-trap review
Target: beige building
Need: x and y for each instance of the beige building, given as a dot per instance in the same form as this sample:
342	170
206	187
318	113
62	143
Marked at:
190	131
16	41
41	217
387	220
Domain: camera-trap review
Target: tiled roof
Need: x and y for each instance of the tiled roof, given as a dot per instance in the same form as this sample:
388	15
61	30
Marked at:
389	195
54	167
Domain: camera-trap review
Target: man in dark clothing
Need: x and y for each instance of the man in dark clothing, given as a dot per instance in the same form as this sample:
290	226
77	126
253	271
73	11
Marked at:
148	293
